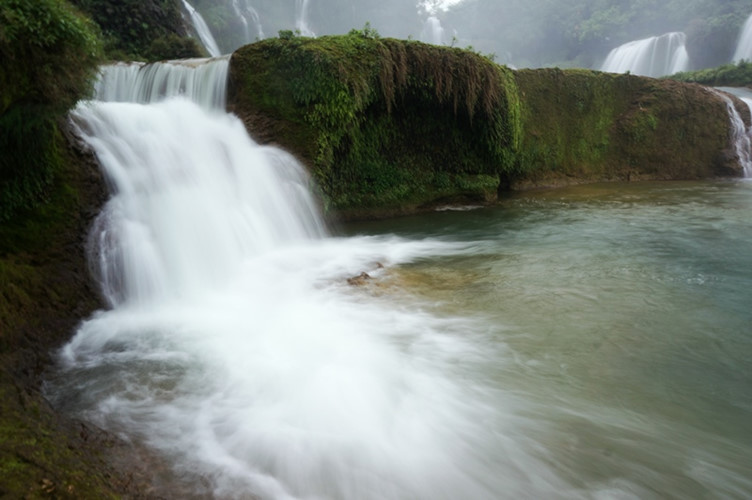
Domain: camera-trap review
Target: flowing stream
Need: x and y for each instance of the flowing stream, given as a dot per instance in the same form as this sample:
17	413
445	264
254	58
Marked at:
584	343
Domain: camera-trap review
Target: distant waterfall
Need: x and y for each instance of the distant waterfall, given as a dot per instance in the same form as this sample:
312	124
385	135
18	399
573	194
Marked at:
250	19
203	30
744	45
432	32
301	18
655	56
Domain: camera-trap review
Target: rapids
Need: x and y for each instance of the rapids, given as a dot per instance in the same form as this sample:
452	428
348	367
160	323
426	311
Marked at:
586	343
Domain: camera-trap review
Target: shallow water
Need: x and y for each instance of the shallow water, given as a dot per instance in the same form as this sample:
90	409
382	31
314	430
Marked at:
625	310
588	342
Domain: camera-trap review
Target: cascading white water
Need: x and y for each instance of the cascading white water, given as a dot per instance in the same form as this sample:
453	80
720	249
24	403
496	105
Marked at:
432	32
741	134
203	31
301	18
197	80
655	56
744	45
248	15
235	347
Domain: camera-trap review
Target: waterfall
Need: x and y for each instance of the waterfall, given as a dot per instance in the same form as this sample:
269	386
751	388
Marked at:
655	56
741	135
432	32
171	159
248	15
744	45
202	30
233	346
301	21
199	80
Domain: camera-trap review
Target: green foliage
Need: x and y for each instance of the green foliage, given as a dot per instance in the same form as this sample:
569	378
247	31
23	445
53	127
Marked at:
148	30
366	32
49	51
731	75
172	46
355	105
393	125
50	55
29	160
581	125
568	119
37	459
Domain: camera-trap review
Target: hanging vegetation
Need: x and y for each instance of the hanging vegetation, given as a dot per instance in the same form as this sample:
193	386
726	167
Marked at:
353	105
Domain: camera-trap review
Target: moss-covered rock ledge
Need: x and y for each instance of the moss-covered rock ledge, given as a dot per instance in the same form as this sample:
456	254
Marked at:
385	125
392	126
581	126
45	290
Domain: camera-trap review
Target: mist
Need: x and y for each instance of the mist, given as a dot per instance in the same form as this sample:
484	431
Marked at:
519	33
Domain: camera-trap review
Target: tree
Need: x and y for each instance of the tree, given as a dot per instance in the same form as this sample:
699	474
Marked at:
50	54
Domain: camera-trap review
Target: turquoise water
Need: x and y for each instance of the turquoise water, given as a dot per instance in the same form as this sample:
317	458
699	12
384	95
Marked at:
590	342
626	312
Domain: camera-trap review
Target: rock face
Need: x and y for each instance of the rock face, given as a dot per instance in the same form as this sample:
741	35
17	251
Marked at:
583	126
386	126
390	126
45	290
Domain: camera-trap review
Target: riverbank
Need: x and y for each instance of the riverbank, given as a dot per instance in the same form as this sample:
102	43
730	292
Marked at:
46	290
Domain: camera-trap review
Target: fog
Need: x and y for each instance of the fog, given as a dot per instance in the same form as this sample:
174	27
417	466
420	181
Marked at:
521	33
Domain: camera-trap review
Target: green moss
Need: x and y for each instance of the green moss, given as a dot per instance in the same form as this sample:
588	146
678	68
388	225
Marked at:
141	30
29	160
50	54
729	75
397	125
353	105
37	459
44	292
582	125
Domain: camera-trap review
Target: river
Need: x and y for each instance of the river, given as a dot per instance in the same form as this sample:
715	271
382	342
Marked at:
586	342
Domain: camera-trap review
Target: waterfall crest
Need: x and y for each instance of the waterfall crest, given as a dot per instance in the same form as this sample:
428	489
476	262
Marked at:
171	159
655	56
199	80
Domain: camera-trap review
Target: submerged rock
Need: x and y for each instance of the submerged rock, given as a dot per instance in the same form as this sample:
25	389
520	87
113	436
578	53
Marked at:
359	280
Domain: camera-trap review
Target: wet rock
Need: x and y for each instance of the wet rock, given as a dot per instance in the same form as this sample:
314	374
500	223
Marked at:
359	280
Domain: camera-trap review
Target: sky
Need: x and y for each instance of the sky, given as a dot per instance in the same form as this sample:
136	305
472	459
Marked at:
434	5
